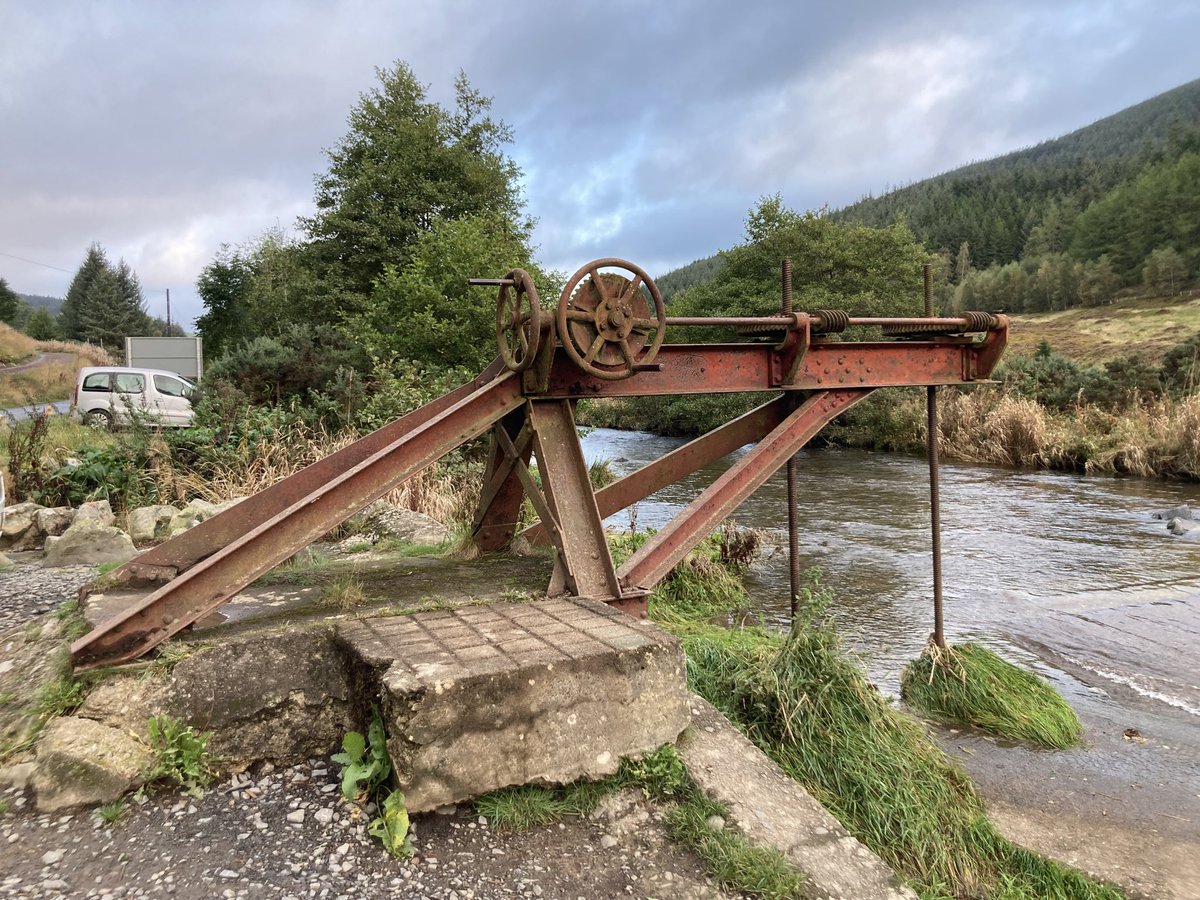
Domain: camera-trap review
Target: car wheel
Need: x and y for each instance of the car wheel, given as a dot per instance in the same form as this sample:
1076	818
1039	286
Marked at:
98	418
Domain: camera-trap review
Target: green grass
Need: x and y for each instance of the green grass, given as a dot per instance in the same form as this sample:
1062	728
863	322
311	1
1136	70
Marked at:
808	707
5	806
662	777
112	813
971	685
345	592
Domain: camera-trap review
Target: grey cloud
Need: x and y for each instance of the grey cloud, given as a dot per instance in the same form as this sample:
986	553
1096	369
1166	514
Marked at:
646	130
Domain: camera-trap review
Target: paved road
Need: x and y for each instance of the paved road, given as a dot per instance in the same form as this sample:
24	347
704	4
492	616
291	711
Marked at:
18	413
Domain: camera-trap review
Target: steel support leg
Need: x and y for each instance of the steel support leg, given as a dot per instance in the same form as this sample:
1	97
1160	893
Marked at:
661	553
500	504
583	548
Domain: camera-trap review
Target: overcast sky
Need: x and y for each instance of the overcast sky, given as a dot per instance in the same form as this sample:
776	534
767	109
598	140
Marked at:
644	130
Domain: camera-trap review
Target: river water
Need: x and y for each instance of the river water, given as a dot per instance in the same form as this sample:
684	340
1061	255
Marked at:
1066	574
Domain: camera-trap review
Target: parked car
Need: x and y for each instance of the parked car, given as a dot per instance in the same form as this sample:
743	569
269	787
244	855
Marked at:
110	395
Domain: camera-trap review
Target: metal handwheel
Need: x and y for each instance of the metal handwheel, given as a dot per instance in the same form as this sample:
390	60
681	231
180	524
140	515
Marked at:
606	321
518	321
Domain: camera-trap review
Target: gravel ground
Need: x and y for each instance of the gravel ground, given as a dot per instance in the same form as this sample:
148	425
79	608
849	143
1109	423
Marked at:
287	833
27	590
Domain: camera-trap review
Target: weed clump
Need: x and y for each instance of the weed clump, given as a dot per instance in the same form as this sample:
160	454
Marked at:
181	754
970	684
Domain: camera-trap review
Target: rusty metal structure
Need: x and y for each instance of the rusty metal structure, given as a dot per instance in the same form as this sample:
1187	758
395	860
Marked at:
605	338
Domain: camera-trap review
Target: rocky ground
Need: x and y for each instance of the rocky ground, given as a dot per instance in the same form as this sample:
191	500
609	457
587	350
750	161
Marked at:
288	833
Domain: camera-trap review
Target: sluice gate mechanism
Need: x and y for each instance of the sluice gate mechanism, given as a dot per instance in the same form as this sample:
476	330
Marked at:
605	338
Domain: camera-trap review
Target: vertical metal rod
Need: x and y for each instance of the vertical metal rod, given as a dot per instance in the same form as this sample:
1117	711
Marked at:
935	503
793	537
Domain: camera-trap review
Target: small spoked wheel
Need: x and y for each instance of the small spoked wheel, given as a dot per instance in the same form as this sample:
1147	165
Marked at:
611	324
518	321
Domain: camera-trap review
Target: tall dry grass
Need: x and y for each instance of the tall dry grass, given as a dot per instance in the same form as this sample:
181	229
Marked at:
1158	439
439	491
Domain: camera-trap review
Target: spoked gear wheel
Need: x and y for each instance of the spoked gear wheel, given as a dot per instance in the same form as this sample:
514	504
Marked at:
518	321
606	321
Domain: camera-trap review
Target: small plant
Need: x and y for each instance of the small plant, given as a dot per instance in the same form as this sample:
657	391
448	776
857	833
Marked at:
364	761
112	813
59	697
105	568
181	754
360	547
344	592
392	827
5	806
366	767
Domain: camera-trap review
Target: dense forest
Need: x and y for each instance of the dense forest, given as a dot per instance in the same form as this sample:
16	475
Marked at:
1065	223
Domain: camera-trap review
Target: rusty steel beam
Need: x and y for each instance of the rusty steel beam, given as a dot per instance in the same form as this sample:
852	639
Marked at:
500	505
584	550
682	461
211	535
204	587
654	559
729	368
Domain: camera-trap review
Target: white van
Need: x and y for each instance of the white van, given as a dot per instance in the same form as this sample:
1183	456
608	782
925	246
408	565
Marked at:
109	395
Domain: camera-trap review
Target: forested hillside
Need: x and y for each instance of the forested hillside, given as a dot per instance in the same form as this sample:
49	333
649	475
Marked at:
1066	223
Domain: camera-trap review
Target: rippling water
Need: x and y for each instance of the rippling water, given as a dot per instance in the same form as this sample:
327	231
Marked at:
1042	566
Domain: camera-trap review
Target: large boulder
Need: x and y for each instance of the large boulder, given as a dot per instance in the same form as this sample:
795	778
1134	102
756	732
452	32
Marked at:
18	521
149	523
387	520
81	762
54	520
88	543
1178	512
95	511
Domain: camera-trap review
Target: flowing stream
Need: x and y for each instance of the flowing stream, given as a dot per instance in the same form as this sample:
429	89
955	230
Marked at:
1066	574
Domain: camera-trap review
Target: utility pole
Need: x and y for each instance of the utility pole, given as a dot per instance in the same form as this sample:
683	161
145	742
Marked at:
168	311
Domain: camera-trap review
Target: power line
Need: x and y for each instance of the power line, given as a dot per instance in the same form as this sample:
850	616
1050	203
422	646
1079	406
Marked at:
34	262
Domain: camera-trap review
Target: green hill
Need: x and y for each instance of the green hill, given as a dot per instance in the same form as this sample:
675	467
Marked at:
1071	220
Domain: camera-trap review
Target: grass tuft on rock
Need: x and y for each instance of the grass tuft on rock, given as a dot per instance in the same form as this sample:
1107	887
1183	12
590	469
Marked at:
970	685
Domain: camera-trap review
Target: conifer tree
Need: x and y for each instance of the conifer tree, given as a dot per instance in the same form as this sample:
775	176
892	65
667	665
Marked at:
71	314
10	303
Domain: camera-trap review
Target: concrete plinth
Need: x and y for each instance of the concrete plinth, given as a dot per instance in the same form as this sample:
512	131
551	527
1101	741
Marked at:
484	697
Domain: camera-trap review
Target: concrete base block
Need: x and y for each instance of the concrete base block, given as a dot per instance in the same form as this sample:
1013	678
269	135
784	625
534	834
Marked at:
485	697
772	810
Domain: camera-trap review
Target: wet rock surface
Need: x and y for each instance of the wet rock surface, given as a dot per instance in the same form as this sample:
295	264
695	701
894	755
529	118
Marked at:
287	833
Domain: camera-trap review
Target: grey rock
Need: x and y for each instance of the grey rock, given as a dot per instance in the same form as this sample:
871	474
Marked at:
1180	526
282	697
54	520
715	823
5	562
88	542
1178	512
17	775
18	521
387	520
95	511
148	523
50	857
82	763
